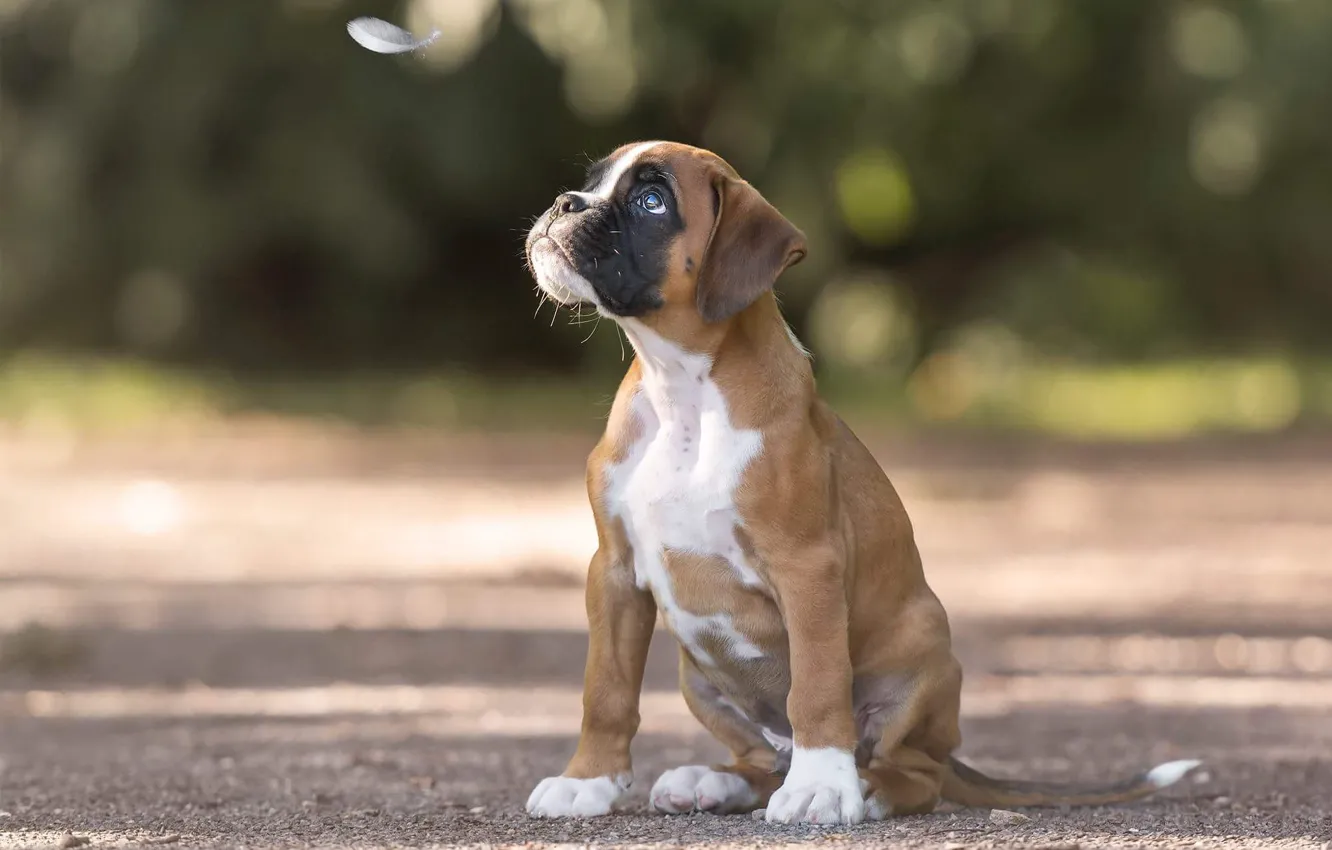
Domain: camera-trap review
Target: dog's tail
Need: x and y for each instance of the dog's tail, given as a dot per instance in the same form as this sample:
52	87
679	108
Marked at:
969	787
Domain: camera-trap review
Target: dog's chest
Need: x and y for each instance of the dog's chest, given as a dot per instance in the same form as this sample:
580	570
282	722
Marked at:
675	492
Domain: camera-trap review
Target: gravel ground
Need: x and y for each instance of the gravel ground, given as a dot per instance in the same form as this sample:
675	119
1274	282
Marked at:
1113	609
401	781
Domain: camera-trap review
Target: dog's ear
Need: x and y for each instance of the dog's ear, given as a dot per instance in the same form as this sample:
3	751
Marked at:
751	244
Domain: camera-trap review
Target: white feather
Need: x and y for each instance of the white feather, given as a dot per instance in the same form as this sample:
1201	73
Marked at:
383	37
1171	772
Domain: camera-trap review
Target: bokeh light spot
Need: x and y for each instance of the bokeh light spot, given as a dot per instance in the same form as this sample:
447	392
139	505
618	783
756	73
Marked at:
1208	41
1226	147
1312	654
935	46
601	86
105	37
942	387
863	322
875	197
464	26
566	28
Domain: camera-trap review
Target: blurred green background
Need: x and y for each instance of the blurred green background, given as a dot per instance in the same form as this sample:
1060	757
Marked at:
1103	219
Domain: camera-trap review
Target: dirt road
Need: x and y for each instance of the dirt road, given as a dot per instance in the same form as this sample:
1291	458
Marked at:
368	644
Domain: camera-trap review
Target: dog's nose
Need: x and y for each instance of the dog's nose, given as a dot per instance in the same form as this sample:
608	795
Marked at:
570	202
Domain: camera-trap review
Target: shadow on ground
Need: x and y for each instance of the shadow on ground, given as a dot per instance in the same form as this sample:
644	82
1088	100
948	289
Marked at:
1188	645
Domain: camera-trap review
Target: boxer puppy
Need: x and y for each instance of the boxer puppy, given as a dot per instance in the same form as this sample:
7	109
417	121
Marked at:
732	500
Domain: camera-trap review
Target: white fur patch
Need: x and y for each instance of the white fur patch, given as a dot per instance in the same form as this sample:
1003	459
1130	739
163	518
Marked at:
780	743
566	797
1167	774
699	788
556	276
822	786
611	178
676	488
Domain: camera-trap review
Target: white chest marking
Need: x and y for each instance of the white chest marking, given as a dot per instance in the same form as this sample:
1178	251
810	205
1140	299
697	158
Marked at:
676	488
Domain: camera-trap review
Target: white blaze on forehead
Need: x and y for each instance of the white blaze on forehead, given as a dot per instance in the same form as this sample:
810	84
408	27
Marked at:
623	163
611	178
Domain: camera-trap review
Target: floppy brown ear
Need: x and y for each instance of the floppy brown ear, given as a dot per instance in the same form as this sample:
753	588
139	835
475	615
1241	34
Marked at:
750	246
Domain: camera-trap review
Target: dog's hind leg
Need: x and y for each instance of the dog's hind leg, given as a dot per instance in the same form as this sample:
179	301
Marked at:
741	786
907	764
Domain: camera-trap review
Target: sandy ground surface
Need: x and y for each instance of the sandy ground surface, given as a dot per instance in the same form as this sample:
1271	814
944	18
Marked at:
343	641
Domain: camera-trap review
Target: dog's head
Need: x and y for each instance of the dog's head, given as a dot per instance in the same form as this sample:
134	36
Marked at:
663	233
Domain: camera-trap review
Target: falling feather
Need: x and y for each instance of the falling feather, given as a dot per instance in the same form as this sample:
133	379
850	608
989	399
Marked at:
383	37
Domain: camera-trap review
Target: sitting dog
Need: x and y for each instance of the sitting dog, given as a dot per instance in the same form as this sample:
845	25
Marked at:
731	499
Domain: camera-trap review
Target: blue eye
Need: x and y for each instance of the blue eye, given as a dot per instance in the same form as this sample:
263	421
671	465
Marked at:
653	202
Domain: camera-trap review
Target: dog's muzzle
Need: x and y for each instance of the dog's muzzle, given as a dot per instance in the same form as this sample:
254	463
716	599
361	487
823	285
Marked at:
549	259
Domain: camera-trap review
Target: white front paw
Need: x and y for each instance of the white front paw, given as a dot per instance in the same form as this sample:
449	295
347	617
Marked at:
566	797
699	788
822	786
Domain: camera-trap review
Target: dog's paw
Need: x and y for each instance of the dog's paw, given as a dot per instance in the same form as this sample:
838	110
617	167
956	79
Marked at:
877	808
698	788
566	797
822	787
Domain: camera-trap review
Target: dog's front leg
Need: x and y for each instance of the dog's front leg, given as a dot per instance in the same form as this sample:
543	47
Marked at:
822	784
620	621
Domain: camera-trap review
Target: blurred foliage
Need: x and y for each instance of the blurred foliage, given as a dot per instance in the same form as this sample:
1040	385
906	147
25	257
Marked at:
63	397
983	381
238	185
